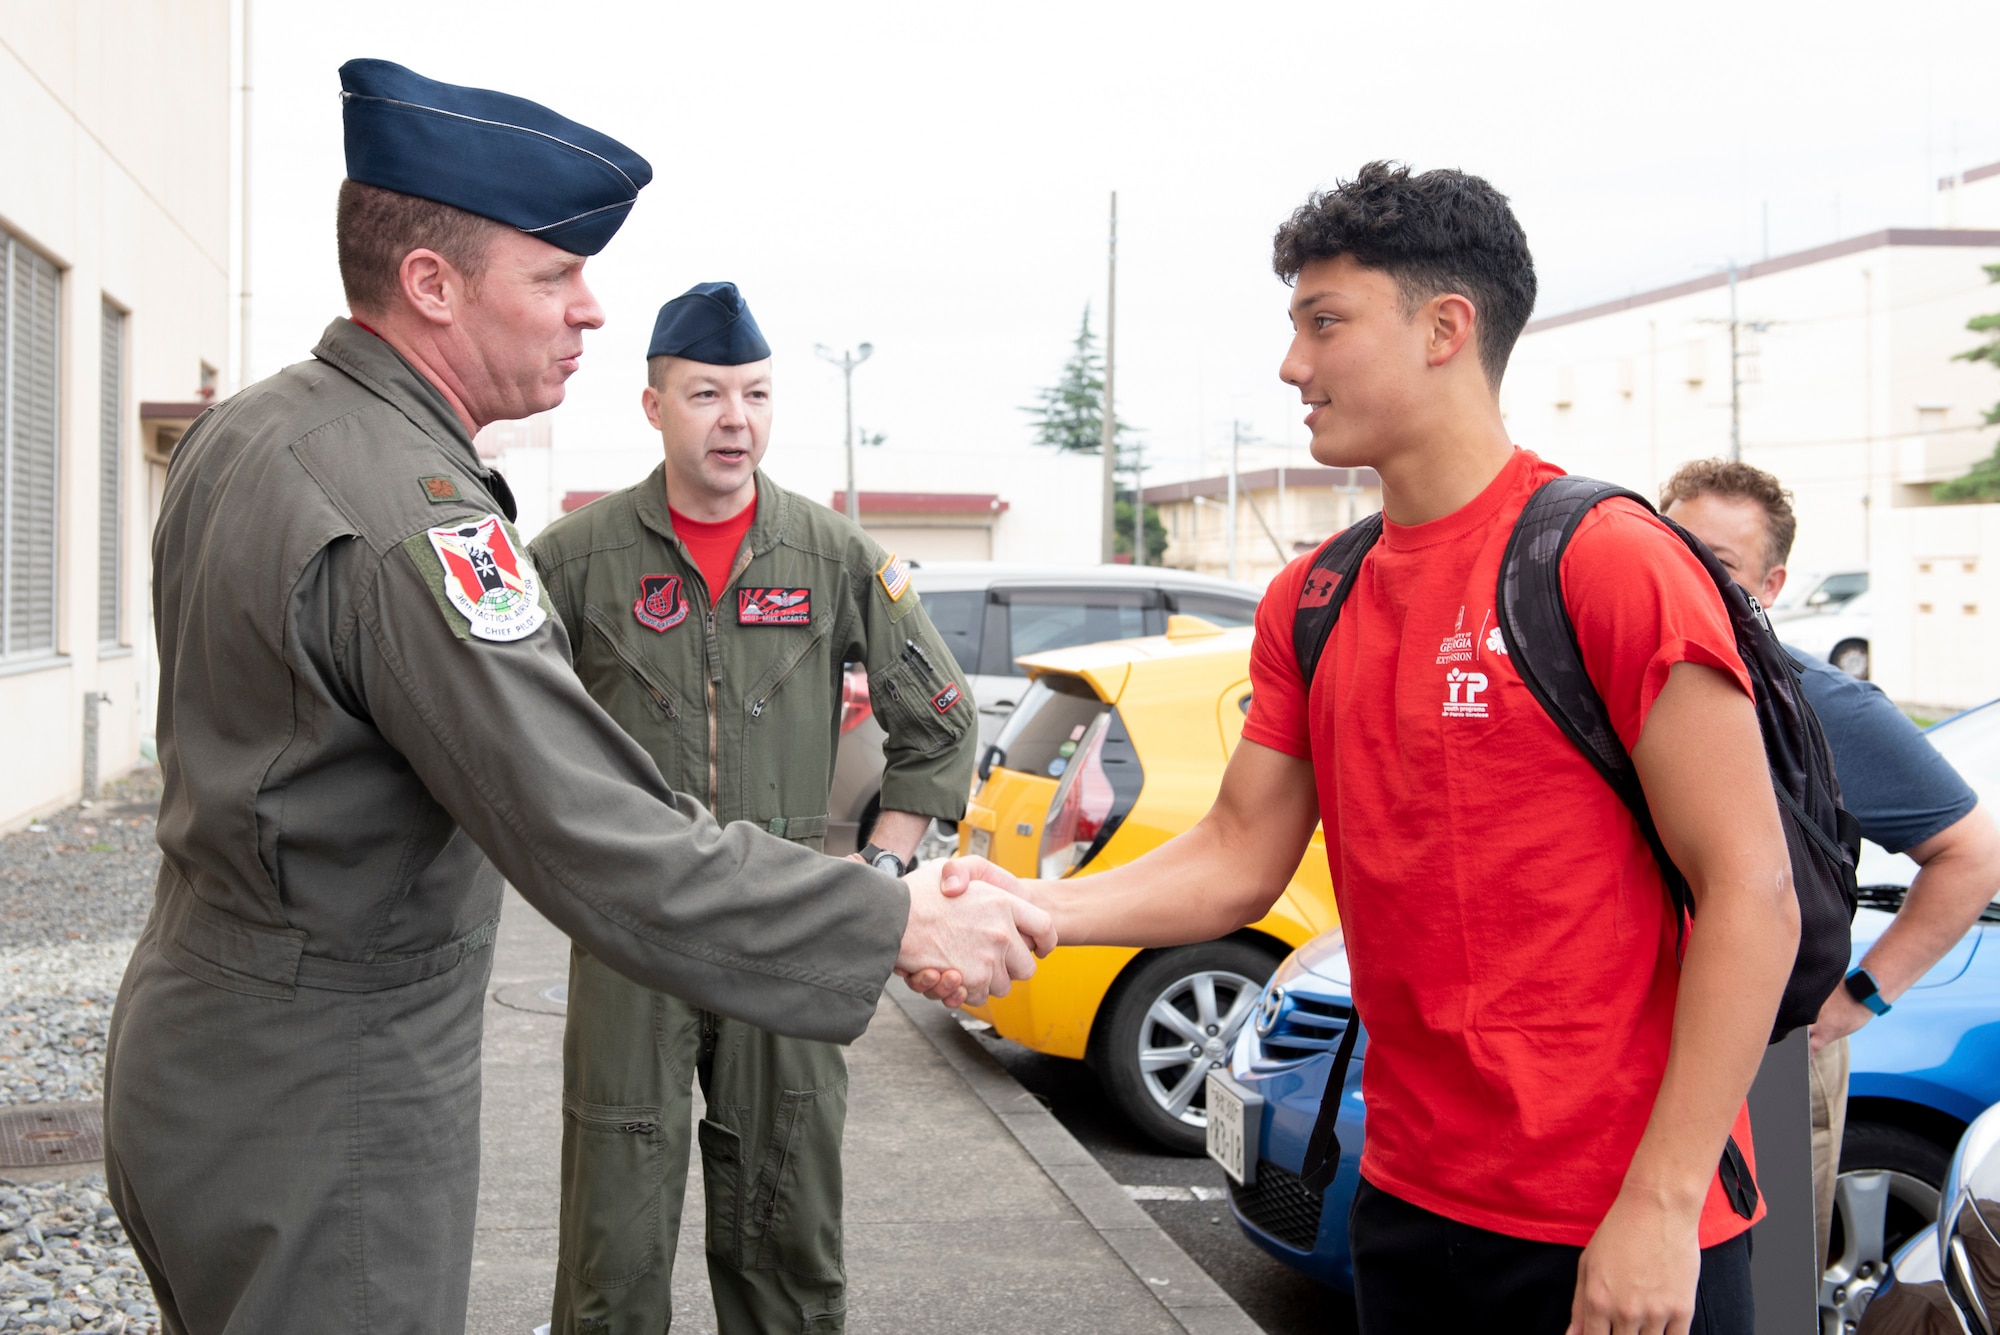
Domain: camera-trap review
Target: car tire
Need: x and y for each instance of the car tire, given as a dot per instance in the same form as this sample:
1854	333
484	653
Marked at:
1152	1047
1886	1193
1851	657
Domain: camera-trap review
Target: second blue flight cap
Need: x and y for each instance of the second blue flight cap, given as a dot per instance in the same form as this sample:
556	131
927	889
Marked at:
709	323
493	154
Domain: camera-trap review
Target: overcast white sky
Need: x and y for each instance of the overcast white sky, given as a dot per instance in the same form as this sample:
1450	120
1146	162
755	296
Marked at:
934	178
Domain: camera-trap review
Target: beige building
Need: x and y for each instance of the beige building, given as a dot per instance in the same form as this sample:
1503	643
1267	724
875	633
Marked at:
1280	512
1845	386
115	217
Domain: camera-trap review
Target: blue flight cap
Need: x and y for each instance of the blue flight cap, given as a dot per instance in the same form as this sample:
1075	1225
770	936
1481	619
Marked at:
499	156
710	322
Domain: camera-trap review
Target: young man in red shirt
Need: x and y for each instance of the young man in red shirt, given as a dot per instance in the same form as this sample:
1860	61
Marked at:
1550	1081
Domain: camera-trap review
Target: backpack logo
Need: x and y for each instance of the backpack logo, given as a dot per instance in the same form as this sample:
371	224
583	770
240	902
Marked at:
660	606
1462	694
1317	591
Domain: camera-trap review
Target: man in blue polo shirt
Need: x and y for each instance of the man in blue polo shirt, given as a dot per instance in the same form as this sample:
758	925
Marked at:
1906	796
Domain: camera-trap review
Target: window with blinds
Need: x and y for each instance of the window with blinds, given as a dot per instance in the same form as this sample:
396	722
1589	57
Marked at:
29	293
110	475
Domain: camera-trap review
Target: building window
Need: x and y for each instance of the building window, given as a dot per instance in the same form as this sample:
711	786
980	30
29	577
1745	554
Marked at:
29	293
110	477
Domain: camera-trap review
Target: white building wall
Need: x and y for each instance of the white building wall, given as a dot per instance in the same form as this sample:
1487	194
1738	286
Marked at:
115	165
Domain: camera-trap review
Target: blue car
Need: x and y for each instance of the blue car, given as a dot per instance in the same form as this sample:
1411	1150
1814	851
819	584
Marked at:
1919	1076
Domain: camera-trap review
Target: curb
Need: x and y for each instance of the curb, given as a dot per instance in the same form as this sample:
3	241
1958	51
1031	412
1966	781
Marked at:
1194	1300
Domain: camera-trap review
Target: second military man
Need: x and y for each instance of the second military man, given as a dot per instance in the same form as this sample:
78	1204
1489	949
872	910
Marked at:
711	612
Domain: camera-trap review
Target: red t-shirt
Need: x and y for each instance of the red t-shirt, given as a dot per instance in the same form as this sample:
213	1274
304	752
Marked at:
714	546
1512	946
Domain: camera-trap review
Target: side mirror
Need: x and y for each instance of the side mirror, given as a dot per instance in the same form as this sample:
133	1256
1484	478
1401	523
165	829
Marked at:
1969	1225
1946	1279
1818	598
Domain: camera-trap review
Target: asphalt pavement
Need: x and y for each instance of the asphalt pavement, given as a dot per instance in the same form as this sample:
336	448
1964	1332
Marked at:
1185	1196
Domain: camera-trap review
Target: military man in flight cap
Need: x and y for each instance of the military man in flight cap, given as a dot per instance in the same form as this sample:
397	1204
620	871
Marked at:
710	612
363	698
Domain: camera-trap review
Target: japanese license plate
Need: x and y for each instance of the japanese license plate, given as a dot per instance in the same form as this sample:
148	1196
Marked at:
1235	1118
978	843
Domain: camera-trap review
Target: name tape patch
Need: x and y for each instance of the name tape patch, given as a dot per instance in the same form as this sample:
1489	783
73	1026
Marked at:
774	607
895	577
661	605
488	580
945	698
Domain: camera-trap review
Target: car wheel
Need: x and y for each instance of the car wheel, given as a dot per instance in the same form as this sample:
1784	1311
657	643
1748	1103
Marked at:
1174	1018
1886	1193
1851	657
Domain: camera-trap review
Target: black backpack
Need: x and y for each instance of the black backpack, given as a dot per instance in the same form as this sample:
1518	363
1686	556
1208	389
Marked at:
1823	839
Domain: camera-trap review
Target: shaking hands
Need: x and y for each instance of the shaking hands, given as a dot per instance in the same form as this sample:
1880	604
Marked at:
971	934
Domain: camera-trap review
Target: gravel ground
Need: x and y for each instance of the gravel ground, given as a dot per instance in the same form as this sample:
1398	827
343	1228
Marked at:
74	891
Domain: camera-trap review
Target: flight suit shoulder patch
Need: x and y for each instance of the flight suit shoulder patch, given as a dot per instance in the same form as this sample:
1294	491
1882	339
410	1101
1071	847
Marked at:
895	577
484	582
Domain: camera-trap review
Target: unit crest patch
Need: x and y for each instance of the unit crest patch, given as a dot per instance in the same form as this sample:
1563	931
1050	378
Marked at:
774	607
488	579
661	605
895	577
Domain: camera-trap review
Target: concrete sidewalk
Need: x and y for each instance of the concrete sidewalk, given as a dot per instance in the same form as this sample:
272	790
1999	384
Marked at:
969	1208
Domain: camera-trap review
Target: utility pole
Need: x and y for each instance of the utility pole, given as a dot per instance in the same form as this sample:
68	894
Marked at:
1110	440
243	290
847	361
1138	505
1229	517
1735	377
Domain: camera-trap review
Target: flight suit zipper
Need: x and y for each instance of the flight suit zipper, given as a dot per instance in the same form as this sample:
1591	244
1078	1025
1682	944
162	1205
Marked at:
632	663
757	709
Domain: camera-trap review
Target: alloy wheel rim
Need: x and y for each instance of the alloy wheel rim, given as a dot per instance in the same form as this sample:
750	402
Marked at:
1187	1032
1861	1203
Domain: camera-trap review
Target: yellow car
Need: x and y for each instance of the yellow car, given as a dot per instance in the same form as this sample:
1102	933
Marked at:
1114	749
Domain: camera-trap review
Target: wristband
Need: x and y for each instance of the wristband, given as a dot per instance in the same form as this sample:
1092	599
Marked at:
1860	985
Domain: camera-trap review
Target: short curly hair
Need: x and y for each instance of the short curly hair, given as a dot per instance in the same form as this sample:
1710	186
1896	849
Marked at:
1433	232
1739	481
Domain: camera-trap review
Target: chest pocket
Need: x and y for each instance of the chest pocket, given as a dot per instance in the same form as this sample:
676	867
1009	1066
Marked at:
632	690
919	701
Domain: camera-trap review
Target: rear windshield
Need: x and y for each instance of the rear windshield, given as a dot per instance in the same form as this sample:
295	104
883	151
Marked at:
959	616
1047	726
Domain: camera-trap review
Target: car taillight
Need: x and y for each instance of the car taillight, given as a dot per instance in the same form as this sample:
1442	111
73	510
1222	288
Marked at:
855	706
1083	802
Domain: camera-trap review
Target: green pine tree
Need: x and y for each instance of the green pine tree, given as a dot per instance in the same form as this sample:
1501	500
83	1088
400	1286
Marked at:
1982	483
1070	415
1156	531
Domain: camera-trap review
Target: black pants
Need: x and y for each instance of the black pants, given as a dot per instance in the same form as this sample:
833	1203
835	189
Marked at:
1416	1272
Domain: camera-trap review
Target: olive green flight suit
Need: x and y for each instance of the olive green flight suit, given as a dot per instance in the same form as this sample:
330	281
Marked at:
739	704
292	1081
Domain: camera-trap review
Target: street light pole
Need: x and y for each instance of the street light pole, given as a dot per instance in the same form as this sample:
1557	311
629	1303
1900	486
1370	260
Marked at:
847	361
1110	438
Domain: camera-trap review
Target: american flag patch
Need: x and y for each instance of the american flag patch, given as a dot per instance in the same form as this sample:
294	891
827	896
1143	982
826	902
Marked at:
895	577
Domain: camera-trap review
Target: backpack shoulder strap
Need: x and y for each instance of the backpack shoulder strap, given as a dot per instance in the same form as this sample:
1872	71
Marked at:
1325	590
1541	641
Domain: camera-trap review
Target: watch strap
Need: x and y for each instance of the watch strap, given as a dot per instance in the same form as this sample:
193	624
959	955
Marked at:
1861	985
873	855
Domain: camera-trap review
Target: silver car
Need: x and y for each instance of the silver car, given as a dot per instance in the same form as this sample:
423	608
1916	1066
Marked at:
991	614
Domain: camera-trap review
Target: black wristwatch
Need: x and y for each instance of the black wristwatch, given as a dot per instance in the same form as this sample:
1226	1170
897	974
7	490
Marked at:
881	859
1861	986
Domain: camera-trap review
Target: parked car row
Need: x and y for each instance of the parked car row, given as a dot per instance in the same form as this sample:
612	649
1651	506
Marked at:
991	615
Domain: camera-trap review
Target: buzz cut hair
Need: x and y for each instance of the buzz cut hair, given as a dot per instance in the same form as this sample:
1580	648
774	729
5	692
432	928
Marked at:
1432	232
1735	480
374	229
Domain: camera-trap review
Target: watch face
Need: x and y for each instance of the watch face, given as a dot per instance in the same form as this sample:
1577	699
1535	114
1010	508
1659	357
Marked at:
890	863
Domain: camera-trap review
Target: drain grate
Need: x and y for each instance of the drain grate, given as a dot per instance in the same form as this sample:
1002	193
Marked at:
39	1136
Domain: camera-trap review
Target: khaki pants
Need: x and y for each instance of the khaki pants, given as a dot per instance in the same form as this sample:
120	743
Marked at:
770	1147
1829	1122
